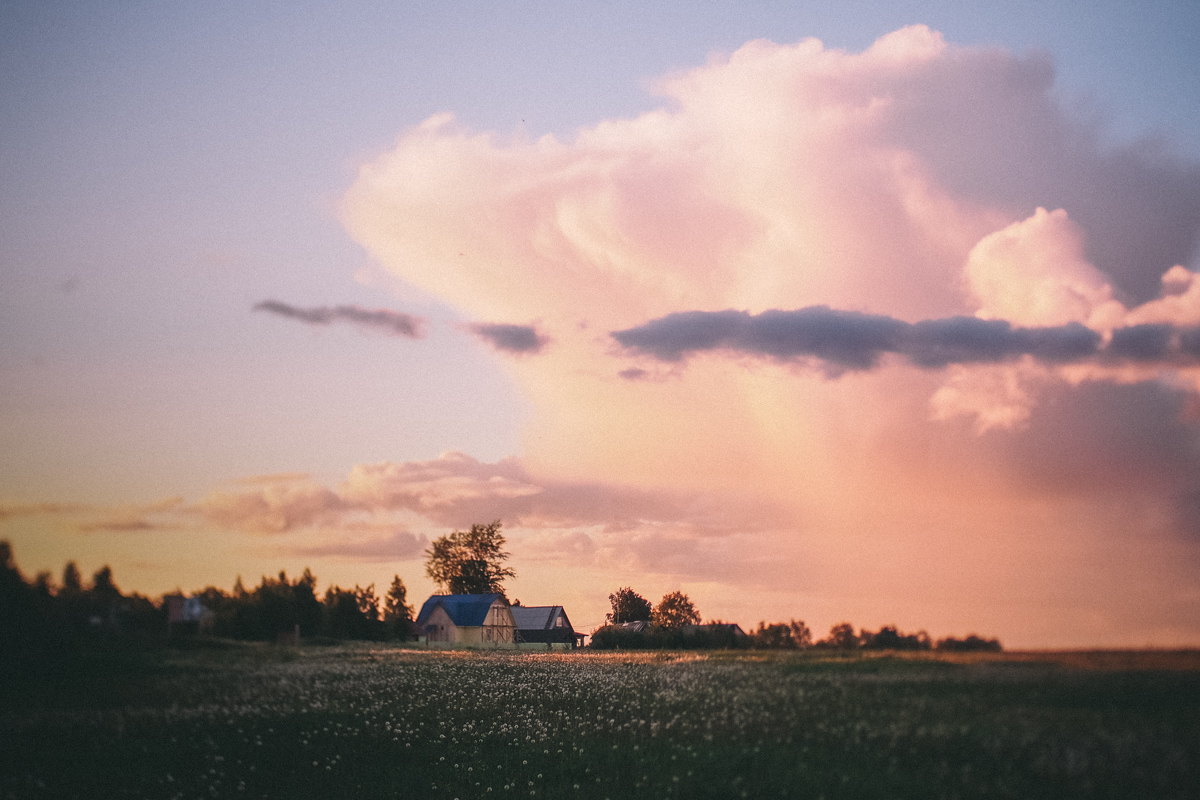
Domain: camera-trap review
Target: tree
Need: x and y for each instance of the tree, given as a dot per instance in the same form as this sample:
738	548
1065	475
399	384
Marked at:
368	603
12	582
972	643
105	598
469	562
842	637
628	606
782	635
72	582
674	611
308	607
801	633
890	638
353	613
397	613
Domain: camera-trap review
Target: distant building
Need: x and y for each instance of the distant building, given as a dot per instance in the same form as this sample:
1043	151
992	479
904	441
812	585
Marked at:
637	626
544	625
729	629
187	615
473	620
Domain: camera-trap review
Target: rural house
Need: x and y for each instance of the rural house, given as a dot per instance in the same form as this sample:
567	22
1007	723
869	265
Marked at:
472	620
544	625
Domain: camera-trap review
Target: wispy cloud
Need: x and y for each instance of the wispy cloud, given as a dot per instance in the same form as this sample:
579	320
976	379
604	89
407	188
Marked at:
380	319
520	339
396	546
272	504
13	510
386	511
118	526
96	518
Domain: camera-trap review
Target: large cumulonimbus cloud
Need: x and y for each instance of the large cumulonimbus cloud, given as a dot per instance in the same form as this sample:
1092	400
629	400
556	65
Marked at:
852	340
918	202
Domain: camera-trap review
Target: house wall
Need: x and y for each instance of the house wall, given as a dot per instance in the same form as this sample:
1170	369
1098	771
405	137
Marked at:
445	630
473	636
499	627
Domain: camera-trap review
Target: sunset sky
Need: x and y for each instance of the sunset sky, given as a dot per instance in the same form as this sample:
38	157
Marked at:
821	311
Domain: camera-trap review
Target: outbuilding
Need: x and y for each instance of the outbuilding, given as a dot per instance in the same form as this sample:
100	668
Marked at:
471	620
544	625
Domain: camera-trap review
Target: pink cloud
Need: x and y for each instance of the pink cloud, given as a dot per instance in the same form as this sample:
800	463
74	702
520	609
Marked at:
271	504
390	547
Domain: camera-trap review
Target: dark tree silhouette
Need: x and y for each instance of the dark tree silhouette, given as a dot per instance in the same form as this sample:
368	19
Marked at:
972	643
782	635
628	606
469	562
397	613
889	638
72	582
842	637
674	611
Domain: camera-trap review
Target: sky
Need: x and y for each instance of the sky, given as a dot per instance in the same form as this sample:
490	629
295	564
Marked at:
819	311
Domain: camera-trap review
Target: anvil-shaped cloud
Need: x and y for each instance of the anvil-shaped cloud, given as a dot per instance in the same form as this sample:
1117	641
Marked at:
931	202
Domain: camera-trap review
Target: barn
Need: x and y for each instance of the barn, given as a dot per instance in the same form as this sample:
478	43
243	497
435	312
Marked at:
543	625
470	620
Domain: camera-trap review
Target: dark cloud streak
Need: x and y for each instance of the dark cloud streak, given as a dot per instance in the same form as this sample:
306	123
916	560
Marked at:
510	338
381	319
852	340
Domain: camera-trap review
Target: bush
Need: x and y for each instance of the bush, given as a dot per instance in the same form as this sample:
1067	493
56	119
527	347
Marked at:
651	637
888	638
971	644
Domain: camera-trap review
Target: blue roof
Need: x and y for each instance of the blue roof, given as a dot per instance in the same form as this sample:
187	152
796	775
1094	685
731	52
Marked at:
465	610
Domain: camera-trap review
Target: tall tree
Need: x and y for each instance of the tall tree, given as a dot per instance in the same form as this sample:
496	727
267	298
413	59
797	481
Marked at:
397	613
628	606
674	611
469	562
72	581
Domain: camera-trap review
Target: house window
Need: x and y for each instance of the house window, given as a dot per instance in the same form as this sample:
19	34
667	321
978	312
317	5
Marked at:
558	623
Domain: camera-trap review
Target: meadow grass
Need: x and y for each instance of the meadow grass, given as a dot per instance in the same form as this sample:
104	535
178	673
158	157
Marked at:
243	720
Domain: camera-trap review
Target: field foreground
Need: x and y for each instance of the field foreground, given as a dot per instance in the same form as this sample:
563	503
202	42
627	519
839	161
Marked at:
239	720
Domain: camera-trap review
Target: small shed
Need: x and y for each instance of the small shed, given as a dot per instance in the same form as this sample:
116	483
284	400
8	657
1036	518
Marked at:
544	624
474	620
637	626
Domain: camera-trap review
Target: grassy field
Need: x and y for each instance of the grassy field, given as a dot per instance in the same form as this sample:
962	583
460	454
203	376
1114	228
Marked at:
239	720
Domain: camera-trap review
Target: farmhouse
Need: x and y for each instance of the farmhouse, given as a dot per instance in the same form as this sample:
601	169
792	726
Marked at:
544	625
473	620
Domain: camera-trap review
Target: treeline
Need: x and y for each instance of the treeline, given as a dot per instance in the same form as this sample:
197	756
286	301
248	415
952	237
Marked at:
792	635
843	637
279	607
635	624
42	613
